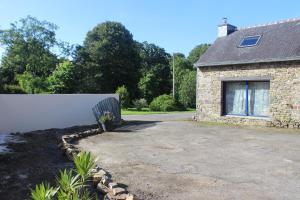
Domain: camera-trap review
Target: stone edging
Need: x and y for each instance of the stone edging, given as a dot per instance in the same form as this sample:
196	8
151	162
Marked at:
101	178
284	124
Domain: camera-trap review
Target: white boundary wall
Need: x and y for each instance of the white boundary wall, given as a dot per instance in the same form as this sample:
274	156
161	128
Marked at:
28	112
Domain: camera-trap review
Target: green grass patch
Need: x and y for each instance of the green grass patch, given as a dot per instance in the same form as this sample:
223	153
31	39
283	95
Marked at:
146	111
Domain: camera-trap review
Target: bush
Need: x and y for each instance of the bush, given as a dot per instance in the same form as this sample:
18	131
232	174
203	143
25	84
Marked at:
163	103
32	84
124	96
12	89
140	103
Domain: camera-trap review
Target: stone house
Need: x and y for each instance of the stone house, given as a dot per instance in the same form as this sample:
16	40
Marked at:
251	76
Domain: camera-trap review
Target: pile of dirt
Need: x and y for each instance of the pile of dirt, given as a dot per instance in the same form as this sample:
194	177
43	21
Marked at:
34	160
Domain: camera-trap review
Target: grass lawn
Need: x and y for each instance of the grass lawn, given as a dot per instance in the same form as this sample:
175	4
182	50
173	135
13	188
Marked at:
146	111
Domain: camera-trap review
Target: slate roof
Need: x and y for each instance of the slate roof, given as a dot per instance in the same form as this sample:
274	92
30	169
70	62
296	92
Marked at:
279	42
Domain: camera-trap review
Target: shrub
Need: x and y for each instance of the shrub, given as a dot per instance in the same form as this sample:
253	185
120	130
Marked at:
12	89
32	84
124	96
163	103
140	103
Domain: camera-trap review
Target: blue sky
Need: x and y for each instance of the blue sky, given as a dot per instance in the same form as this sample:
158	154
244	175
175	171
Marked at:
176	25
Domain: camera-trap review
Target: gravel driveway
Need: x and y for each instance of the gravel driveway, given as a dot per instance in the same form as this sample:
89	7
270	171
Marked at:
169	157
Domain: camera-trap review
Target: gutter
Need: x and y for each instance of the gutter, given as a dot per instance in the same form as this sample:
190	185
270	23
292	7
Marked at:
211	64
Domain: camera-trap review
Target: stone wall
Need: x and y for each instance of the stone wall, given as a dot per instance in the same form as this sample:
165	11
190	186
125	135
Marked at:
284	91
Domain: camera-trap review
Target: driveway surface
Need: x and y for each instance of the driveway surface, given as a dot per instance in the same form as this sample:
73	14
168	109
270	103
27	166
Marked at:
169	157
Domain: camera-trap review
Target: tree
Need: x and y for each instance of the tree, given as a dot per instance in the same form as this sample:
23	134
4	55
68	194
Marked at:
29	47
148	86
65	78
187	89
181	62
110	58
182	66
152	55
196	52
155	70
124	96
155	82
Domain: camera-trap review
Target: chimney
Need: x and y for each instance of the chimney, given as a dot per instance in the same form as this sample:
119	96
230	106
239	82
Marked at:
225	29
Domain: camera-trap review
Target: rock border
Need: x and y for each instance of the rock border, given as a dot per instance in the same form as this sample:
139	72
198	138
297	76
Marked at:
102	180
277	123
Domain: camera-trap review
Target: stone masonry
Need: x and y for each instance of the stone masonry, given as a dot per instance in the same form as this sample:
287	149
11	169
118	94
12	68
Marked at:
284	91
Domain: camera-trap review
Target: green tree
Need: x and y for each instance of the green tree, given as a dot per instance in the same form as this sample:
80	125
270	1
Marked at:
148	86
109	56
29	47
155	70
187	89
124	96
152	55
65	78
155	82
181	63
196	52
182	66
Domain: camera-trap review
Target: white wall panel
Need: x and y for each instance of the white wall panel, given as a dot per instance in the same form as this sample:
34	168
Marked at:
28	112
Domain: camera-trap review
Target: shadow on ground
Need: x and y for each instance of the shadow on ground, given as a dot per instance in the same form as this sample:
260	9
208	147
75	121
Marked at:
135	125
35	159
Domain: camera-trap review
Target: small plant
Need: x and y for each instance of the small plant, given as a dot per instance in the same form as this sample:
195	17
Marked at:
84	163
107	116
107	121
72	184
43	192
69	184
139	104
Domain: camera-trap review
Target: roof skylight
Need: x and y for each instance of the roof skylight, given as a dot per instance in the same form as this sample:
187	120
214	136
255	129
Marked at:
250	41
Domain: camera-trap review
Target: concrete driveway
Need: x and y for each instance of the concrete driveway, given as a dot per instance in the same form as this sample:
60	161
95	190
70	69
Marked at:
169	157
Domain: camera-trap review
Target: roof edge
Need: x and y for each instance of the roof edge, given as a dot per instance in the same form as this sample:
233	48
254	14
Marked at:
211	64
271	23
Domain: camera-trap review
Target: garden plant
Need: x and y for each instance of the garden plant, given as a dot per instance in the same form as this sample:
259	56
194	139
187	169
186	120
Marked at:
72	184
